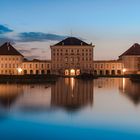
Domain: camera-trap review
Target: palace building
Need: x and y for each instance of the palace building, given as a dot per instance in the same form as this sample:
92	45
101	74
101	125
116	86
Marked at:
110	67
69	57
10	60
131	59
72	56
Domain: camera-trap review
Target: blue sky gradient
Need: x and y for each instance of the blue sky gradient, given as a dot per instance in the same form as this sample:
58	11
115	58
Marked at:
113	26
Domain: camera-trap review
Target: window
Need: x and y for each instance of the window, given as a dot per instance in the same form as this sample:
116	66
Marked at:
42	65
37	72
42	72
48	66
31	71
25	71
30	65
101	65
36	66
71	59
66	59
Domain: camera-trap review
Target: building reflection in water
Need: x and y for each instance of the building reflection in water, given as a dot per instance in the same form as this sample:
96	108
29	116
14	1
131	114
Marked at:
36	98
131	90
67	93
71	94
9	93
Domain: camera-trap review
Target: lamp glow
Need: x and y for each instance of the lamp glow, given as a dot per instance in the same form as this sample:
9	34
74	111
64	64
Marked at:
19	70
124	70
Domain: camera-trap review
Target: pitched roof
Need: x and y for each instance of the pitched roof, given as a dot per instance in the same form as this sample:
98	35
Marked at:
8	49
70	41
134	50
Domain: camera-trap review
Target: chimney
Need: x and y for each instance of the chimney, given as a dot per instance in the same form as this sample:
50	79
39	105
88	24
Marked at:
8	45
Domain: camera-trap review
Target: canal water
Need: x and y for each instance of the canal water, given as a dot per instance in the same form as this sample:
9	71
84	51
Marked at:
105	108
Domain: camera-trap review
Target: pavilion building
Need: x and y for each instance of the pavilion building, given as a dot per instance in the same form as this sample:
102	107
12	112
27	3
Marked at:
71	57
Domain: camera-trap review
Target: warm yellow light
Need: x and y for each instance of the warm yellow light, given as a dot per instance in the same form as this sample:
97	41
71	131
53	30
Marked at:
19	70
72	83
72	72
124	70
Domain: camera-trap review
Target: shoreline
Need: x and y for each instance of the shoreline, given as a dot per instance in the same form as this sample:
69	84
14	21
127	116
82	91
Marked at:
28	79
33	79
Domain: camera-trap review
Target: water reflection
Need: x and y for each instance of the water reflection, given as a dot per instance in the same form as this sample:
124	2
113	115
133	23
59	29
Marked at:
131	90
69	94
72	94
9	94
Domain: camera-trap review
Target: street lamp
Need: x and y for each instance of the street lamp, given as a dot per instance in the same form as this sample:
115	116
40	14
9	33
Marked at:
124	70
19	70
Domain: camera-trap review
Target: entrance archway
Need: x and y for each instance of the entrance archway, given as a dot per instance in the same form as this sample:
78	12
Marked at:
101	72
78	72
66	72
72	72
107	72
113	72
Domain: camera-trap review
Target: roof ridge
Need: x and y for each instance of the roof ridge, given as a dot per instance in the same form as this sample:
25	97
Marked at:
8	49
133	50
72	41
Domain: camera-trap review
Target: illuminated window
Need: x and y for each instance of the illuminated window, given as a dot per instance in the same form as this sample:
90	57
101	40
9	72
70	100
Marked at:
72	72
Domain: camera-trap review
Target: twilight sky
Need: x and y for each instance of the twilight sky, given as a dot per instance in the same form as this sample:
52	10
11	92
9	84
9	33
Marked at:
112	25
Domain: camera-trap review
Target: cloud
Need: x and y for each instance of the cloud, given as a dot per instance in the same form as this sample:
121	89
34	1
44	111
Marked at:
33	57
39	36
4	29
6	39
24	51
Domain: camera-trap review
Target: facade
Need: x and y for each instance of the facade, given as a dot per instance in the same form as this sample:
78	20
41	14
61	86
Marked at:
65	93
112	67
72	57
14	63
69	57
10	60
36	67
131	59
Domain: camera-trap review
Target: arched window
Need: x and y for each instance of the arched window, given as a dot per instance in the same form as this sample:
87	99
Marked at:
25	72
31	71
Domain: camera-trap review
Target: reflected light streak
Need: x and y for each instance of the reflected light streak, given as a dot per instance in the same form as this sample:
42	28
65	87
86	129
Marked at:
124	84
72	83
